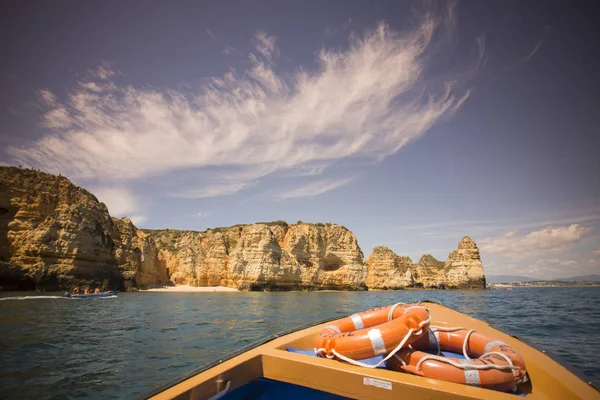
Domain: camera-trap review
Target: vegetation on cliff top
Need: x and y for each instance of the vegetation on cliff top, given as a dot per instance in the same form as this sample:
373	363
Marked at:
71	236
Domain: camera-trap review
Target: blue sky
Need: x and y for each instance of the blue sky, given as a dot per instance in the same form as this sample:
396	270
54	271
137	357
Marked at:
412	125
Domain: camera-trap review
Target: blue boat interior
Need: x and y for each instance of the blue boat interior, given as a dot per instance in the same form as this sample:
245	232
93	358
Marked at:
266	389
374	360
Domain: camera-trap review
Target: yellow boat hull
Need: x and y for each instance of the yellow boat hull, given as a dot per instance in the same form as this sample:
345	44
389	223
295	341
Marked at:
271	360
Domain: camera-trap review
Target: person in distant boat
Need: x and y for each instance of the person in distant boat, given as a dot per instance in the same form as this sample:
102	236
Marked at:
76	290
96	290
86	291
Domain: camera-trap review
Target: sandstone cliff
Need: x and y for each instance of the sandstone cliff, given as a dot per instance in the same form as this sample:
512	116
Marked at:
55	235
462	270
429	273
264	256
388	270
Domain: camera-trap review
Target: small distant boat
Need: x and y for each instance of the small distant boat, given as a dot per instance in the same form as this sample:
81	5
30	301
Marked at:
91	295
287	366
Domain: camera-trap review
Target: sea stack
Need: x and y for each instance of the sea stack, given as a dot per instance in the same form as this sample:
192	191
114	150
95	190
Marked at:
464	269
55	235
387	270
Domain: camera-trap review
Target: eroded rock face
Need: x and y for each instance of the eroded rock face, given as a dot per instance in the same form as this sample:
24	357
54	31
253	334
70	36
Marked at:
387	270
257	262
462	270
55	235
278	256
329	256
429	273
265	256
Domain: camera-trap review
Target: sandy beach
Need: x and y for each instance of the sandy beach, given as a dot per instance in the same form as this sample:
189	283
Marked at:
187	288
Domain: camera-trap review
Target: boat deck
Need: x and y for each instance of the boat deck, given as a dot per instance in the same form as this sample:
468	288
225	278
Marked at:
271	360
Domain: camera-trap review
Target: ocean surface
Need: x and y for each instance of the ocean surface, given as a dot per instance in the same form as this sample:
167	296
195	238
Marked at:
57	348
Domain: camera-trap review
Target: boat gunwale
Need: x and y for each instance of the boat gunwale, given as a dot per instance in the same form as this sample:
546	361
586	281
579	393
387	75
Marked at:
229	356
553	356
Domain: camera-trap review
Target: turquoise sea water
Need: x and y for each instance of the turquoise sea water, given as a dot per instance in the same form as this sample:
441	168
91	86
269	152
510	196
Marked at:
123	347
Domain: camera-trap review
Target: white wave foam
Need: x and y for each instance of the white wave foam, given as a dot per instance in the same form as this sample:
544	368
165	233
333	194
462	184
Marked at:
32	297
92	298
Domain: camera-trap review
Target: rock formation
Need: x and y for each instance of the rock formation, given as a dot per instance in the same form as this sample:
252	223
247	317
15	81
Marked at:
265	256
55	235
388	270
462	270
429	273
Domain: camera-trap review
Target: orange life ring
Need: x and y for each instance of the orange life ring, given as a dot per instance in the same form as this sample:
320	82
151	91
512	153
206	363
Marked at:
494	364
373	332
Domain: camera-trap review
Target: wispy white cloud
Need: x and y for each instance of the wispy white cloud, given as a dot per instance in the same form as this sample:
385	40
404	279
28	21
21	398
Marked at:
214	189
203	214
547	265
331	31
569	263
138	219
445	229
119	201
48	97
439	235
303	171
362	103
228	50
209	32
535	49
57	118
540	42
548	240
314	189
265	45
543	268
573	219
449	224
546	261
103	72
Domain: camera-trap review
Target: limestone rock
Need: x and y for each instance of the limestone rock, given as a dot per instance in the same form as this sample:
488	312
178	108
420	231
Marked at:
429	273
55	235
387	270
463	269
265	256
278	256
59	235
329	255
